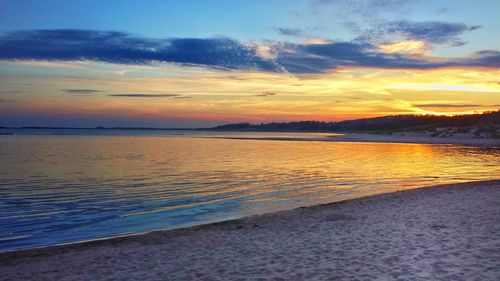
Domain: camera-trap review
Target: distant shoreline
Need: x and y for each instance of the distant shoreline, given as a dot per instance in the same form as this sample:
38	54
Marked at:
400	234
483	123
103	128
359	137
394	137
379	138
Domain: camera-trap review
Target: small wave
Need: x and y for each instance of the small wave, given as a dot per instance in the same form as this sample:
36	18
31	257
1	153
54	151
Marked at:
14	238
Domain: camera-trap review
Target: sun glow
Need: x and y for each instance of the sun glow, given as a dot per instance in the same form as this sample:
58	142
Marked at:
412	47
227	96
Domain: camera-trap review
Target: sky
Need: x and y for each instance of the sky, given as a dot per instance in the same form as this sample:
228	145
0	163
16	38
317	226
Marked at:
203	63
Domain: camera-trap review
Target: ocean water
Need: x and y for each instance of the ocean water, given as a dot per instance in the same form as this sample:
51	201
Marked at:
62	186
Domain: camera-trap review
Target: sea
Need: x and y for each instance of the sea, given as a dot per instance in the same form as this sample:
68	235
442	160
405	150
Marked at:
61	186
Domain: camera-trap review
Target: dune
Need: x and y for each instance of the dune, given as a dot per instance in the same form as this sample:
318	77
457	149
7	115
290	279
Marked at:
447	232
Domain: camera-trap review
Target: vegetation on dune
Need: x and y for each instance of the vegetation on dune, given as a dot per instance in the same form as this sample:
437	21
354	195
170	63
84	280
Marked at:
481	125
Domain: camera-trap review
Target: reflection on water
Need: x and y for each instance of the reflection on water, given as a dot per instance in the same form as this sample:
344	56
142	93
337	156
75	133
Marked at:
57	189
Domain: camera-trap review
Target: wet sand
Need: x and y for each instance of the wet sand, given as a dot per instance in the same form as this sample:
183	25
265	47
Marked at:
448	232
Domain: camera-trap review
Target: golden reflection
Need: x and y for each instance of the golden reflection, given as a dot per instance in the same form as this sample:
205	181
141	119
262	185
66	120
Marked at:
105	185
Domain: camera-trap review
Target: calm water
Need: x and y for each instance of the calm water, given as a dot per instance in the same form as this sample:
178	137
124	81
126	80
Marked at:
77	186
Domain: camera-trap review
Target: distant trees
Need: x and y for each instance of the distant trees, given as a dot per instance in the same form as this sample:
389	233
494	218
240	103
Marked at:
489	120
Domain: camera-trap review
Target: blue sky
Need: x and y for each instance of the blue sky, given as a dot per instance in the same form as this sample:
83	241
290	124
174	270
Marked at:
241	19
245	20
169	46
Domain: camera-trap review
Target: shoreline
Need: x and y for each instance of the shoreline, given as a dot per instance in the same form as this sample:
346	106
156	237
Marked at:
343	137
360	137
321	225
375	138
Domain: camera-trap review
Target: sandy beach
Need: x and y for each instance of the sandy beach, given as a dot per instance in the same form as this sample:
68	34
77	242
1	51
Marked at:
448	232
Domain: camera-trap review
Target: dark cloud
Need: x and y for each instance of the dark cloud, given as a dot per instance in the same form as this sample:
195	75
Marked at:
229	54
431	31
314	58
81	91
447	105
119	47
4	100
290	31
144	95
485	58
266	94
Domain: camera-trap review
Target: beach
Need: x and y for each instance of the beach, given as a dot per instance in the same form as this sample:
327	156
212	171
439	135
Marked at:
447	232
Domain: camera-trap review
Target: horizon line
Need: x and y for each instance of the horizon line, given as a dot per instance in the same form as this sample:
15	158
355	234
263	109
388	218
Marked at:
213	127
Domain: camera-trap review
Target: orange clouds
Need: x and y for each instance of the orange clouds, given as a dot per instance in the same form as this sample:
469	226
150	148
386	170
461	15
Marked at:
411	47
225	96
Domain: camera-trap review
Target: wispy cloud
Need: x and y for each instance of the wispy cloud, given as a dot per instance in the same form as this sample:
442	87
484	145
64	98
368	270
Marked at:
367	9
431	31
266	94
81	91
443	105
290	31
428	32
9	92
145	95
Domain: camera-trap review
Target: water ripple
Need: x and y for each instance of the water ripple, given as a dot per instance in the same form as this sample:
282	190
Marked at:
59	189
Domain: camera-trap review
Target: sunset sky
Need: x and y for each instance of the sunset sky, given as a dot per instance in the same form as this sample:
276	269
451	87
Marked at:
202	63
